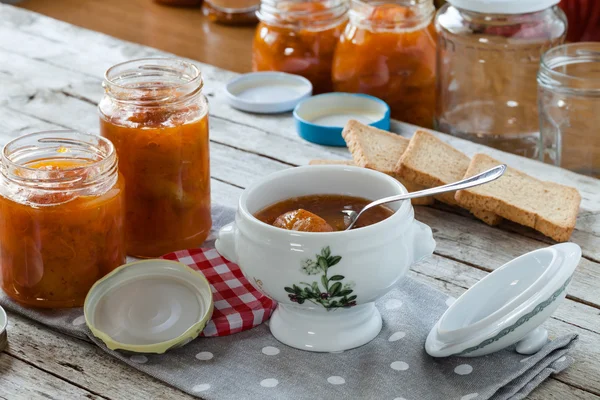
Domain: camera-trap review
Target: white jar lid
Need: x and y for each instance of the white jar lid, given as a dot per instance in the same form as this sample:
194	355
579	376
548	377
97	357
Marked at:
149	306
503	6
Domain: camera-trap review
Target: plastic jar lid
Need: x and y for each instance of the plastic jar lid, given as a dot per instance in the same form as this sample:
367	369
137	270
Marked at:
503	6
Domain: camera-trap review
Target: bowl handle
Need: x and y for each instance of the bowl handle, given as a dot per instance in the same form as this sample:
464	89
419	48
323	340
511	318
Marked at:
423	243
225	243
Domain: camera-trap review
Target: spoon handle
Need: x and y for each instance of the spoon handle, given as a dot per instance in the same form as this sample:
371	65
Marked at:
475	180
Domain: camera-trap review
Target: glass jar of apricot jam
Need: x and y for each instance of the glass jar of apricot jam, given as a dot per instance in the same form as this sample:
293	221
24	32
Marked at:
61	217
299	37
388	51
154	112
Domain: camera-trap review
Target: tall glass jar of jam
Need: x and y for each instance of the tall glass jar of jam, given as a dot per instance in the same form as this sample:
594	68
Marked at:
299	37
488	57
388	50
231	12
61	217
154	112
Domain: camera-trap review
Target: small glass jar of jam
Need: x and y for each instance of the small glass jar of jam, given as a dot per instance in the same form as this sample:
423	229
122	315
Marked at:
388	51
154	112
61	217
231	12
299	37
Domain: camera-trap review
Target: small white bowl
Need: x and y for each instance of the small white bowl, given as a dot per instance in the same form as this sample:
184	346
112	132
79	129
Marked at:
325	283
507	306
267	92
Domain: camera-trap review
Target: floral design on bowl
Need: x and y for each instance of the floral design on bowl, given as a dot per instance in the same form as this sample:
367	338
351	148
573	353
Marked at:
332	295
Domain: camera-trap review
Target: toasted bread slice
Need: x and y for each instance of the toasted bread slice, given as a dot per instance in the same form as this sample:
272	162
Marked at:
430	162
547	207
331	162
379	150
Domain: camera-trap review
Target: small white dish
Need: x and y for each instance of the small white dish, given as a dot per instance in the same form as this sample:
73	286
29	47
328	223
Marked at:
149	306
267	92
507	306
3	325
350	270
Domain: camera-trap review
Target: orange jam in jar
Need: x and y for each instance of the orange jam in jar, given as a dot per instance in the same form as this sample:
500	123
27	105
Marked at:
156	116
231	12
61	217
388	50
299	37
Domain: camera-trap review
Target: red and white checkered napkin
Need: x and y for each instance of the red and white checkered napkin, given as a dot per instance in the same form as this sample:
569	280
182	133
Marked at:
238	306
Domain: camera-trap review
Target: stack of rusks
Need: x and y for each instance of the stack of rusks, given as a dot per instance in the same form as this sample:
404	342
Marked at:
425	161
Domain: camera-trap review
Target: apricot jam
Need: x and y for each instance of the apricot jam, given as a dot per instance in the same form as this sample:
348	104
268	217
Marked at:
299	38
61	217
388	50
154	113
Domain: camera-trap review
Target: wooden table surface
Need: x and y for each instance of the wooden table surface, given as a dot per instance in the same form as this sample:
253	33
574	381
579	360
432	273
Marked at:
181	31
50	76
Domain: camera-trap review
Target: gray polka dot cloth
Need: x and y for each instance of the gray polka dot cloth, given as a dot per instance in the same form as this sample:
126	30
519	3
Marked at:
394	366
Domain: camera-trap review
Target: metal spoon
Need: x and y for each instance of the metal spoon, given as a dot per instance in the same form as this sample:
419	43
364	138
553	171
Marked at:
475	180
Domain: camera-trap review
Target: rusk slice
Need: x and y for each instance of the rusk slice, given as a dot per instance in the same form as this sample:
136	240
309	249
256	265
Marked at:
331	162
430	162
547	207
379	150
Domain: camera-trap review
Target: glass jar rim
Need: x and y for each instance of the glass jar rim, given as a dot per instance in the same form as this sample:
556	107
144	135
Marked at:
14	160
361	10
188	80
272	12
567	54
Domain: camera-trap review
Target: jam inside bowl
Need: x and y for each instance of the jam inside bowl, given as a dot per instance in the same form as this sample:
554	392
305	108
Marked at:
312	274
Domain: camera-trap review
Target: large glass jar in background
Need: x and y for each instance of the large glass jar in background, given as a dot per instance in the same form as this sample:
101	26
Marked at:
299	37
231	12
488	58
388	50
569	105
154	112
61	217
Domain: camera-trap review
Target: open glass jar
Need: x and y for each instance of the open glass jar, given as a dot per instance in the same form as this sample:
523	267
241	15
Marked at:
154	112
61	217
488	58
299	37
569	100
388	51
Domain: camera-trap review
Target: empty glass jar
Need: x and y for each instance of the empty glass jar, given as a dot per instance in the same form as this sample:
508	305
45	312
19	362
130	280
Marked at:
488	58
569	100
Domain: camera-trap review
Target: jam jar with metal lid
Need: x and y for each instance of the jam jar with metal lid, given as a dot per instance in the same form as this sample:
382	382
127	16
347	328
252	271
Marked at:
299	37
62	217
231	12
388	51
488	57
154	112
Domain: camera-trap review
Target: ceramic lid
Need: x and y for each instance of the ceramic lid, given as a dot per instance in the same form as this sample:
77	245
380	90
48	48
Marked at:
267	92
3	325
149	306
504	6
507	306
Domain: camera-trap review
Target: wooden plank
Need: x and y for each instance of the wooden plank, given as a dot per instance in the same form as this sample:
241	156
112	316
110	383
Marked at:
556	390
184	31
80	362
21	381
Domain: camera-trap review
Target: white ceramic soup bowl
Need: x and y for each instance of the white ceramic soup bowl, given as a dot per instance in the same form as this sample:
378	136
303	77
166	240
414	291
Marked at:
325	282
